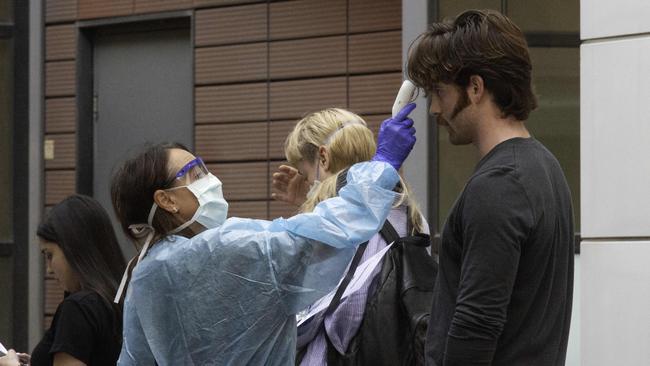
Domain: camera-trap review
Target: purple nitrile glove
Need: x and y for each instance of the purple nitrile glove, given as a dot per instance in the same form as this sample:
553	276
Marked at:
396	138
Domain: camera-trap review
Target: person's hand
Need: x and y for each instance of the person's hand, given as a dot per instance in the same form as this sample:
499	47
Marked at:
289	186
10	359
396	138
24	358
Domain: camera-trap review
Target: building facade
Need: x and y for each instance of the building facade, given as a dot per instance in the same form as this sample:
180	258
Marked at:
615	182
86	81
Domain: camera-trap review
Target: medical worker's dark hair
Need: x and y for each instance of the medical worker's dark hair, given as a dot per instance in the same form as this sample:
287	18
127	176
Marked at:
133	186
81	227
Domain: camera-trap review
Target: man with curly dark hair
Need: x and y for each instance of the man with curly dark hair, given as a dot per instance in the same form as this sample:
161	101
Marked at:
505	285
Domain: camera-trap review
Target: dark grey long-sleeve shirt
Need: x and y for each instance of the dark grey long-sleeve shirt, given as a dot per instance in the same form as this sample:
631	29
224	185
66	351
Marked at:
504	288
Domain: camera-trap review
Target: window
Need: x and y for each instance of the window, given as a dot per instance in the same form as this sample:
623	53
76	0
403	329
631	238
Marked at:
552	30
6	121
6	11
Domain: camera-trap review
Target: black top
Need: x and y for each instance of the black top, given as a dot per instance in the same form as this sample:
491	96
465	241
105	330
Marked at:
84	327
505	283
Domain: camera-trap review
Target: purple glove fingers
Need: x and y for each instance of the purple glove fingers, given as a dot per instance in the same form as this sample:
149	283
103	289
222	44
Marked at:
396	138
404	111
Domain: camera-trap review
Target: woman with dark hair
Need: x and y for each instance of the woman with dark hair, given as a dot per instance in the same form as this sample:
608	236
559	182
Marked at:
82	254
206	290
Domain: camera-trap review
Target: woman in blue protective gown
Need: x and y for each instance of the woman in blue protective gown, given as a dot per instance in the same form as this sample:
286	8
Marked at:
228	295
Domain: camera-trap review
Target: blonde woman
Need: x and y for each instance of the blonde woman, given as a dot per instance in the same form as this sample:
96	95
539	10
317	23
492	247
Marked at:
322	145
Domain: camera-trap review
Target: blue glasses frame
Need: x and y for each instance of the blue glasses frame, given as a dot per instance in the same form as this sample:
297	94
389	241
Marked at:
185	169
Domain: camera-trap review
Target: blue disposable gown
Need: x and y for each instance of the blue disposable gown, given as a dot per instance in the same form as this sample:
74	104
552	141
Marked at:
228	295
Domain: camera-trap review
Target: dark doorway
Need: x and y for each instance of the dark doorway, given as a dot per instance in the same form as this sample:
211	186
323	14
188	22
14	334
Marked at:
142	92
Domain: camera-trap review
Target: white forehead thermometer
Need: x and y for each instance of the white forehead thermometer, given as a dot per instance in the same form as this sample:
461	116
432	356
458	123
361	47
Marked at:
404	96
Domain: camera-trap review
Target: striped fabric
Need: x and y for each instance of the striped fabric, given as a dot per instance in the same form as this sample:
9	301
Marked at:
344	322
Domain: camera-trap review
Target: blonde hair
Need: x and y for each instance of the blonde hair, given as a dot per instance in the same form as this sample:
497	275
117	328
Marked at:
349	141
345	134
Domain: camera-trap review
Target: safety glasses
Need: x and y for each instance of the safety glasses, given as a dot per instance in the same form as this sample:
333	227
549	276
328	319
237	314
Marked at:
191	172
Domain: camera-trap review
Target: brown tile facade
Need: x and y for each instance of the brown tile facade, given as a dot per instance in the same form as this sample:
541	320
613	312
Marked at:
217	142
231	103
64	148
60	115
231	25
58	185
307	18
92	9
231	64
259	66
60	78
61	42
308	58
60	10
154	6
293	99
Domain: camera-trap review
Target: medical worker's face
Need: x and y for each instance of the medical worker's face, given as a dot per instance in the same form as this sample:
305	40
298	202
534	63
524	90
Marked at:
186	202
58	267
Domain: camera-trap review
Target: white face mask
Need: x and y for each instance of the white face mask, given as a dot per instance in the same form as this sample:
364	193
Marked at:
213	208
313	188
211	213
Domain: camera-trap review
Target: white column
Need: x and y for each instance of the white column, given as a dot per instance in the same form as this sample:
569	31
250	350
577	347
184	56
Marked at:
615	182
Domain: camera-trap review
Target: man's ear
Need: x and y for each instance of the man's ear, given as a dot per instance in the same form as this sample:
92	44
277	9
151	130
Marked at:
166	201
476	89
323	158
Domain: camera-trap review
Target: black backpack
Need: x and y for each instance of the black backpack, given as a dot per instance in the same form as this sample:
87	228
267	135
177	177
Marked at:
396	317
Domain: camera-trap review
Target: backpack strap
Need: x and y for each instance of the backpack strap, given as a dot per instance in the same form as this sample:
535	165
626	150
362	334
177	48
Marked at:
390	235
409	223
387	231
411	239
341	179
336	300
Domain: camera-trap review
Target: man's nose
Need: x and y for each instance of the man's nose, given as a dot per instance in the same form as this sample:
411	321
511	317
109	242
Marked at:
434	107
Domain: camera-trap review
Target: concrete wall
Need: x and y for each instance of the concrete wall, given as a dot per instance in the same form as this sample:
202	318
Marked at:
35	258
615	182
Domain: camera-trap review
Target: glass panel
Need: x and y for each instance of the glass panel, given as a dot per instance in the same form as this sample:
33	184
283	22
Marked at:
455	166
6	300
451	8
6	10
556	123
6	155
546	16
